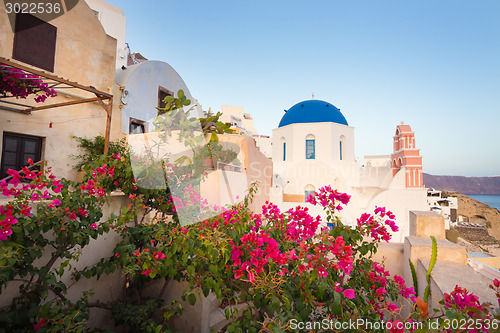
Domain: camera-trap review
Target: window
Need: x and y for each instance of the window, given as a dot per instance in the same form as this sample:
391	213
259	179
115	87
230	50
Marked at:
137	126
283	144
16	149
341	148
162	93
34	42
97	14
309	190
310	149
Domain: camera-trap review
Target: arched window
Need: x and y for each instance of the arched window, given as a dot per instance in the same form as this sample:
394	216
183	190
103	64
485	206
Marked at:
283	145
309	190
341	147
310	147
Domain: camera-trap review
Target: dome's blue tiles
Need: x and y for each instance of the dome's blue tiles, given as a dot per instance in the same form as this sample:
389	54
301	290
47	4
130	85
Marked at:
312	111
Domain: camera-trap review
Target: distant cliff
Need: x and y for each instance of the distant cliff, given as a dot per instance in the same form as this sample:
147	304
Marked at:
469	185
472	208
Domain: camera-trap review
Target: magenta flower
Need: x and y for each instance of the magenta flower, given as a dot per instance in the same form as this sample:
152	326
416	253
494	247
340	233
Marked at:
392	307
54	203
349	293
93	226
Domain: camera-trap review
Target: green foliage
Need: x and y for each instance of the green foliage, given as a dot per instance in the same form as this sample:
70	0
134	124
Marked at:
40	253
212	125
92	149
431	267
218	152
414	276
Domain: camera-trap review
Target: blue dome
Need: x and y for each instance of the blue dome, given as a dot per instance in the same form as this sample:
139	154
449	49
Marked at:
312	111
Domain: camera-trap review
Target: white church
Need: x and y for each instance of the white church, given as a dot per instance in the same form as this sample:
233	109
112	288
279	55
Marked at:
313	146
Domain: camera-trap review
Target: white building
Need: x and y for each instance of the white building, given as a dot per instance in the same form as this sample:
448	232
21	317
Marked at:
242	123
114	23
239	120
448	207
313	146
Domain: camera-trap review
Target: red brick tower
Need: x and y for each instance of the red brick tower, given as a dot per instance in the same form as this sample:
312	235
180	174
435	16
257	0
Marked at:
408	156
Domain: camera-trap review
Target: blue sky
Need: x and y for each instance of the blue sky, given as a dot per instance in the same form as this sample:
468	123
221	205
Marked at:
433	64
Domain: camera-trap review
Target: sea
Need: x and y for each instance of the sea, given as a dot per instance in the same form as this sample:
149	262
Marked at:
491	200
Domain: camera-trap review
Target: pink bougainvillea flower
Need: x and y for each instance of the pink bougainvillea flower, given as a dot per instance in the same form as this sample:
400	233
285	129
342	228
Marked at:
396	326
4	233
93	226
349	293
146	272
41	323
392	307
322	272
381	291
54	203
159	255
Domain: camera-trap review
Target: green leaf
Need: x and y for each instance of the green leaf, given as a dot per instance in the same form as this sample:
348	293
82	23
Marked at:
212	269
287	303
206	290
192	299
431	266
451	315
190	269
321	288
180	93
414	276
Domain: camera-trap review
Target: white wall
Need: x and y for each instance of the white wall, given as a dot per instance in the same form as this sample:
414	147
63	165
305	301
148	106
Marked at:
327	137
114	23
140	97
264	144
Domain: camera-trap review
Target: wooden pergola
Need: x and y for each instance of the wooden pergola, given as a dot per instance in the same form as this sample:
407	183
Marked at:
55	82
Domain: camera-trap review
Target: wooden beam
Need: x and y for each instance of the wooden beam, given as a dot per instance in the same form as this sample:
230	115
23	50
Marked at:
87	100
109	112
100	96
53	77
14	103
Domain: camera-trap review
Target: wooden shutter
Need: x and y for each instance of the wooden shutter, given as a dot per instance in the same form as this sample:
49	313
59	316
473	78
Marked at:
35	42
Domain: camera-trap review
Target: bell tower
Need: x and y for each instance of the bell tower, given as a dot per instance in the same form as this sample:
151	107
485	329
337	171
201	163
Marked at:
407	157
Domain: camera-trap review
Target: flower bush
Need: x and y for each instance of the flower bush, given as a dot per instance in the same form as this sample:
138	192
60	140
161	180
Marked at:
15	82
43	230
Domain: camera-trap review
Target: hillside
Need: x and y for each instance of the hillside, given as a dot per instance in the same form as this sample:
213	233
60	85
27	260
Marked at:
469	185
472	208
